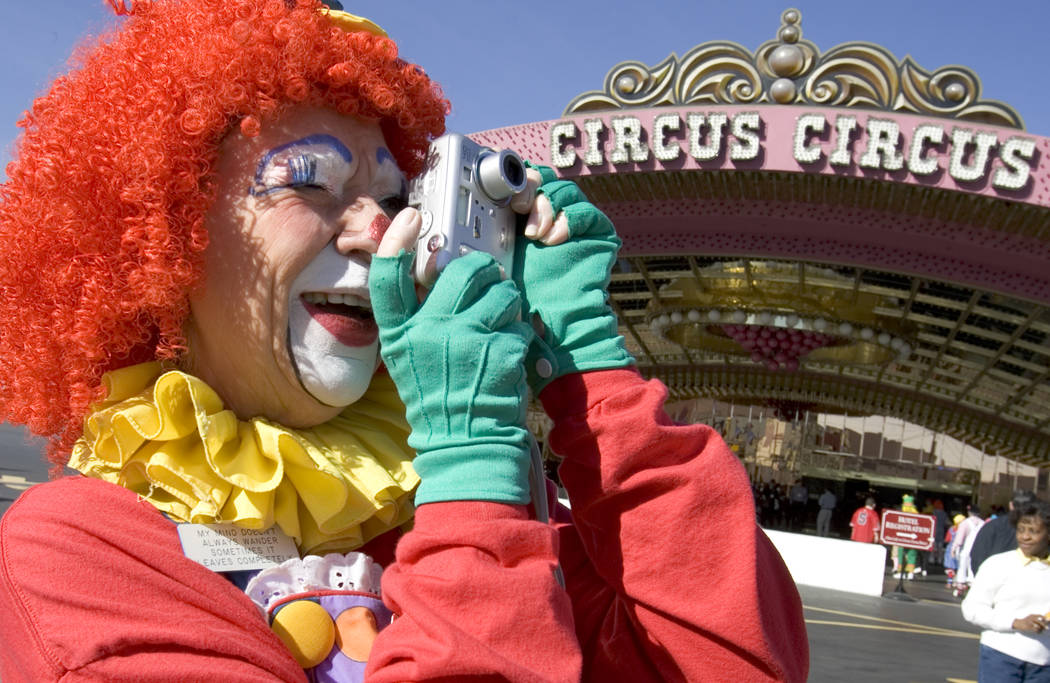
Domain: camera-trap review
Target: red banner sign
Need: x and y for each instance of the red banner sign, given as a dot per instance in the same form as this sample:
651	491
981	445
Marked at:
907	529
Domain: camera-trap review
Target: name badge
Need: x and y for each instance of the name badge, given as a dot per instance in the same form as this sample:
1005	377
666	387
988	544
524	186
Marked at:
227	548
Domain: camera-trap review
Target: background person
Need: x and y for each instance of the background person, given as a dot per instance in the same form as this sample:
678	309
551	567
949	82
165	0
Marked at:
965	534
827	503
951	564
864	525
999	534
1010	600
203	250
798	499
905	559
942	522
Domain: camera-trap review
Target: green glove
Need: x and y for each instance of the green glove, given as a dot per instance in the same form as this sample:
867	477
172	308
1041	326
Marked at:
566	285
457	362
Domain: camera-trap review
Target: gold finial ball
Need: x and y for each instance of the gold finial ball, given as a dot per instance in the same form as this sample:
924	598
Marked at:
626	84
955	92
789	34
790	31
786	60
782	91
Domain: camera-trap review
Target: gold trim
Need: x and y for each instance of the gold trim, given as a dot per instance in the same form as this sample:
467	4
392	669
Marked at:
770	294
789	70
979	356
826	391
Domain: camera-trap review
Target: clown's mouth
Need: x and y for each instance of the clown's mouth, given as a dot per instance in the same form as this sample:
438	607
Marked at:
347	317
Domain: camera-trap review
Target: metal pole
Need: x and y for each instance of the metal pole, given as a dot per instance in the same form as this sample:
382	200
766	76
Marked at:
863	428
882	437
900	453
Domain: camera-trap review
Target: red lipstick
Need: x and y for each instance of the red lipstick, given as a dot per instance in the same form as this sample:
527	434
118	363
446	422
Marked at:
350	325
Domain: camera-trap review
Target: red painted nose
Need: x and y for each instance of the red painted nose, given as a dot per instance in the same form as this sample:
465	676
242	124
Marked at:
378	227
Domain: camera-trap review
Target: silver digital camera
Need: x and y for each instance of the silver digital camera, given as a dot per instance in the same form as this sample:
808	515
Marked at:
463	196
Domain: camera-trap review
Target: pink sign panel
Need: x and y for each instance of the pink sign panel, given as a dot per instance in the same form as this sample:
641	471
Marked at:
956	158
906	148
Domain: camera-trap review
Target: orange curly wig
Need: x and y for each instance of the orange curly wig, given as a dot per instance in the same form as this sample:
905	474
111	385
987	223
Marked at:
102	224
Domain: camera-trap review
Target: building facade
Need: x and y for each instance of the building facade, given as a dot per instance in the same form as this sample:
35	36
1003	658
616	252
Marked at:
812	234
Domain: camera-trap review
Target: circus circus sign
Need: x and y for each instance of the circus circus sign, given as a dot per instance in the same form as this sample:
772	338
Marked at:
905	148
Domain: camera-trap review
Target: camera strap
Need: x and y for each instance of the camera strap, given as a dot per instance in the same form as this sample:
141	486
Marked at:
538	486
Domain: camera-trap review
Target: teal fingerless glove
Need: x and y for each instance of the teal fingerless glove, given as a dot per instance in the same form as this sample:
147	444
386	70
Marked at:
566	285
457	362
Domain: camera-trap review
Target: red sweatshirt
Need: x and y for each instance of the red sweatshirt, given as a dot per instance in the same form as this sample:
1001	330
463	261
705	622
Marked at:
667	575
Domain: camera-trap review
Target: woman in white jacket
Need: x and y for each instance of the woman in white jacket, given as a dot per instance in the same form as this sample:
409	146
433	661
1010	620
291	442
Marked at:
1010	600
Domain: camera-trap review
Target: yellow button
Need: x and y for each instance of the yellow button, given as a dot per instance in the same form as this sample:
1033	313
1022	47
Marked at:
307	631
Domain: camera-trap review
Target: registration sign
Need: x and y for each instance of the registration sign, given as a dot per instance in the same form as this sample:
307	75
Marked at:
907	529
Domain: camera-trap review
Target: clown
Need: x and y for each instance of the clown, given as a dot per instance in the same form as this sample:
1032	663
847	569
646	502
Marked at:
904	559
208	310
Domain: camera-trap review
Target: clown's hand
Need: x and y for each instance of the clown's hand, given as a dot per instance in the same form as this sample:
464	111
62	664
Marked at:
563	268
457	359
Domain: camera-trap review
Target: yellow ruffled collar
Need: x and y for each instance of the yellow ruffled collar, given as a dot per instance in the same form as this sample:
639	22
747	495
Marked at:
166	436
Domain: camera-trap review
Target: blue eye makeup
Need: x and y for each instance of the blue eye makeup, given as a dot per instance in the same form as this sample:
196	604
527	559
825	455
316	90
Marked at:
304	169
316	161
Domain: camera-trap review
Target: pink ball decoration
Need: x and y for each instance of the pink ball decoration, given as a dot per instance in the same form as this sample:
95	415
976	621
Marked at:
775	348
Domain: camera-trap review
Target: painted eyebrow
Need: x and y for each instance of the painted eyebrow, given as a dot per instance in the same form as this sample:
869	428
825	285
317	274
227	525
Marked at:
320	139
382	154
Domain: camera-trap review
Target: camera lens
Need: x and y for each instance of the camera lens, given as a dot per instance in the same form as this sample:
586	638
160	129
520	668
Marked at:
500	174
514	171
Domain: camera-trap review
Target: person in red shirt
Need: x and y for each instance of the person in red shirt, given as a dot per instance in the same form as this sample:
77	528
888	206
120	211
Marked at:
208	307
864	526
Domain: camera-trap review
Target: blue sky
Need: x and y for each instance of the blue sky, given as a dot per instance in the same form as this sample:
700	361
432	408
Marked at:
503	63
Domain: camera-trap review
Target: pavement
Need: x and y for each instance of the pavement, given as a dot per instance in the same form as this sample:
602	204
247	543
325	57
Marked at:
914	633
22	463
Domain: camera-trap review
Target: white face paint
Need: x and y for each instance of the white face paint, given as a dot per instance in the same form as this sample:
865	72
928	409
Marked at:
331	334
300	210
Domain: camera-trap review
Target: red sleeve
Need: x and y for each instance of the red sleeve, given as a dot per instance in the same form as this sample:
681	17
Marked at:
670	576
94	586
476	597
